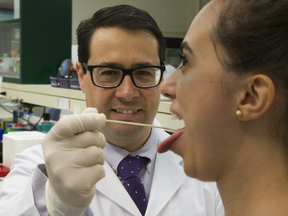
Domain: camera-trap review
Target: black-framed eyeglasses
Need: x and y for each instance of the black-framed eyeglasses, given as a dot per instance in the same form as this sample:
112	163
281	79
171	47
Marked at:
112	77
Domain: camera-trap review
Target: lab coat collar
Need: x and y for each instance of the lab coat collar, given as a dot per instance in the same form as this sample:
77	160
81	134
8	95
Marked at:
168	177
111	187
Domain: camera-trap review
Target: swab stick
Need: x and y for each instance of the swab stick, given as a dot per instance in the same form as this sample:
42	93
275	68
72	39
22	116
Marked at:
140	124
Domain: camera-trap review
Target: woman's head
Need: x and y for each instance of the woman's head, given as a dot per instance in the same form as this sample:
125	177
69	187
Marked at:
251	38
221	73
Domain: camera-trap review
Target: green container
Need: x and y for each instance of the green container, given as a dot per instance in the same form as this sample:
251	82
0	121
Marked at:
45	29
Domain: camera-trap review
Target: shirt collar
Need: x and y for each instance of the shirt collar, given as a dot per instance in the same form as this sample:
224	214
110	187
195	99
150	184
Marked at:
115	154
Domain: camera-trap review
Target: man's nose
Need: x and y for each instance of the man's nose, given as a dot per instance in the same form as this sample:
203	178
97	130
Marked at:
127	90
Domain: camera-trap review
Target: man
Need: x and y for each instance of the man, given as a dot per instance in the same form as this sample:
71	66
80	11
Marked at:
121	55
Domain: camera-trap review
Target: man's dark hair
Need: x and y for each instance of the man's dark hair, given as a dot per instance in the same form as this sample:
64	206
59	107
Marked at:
121	16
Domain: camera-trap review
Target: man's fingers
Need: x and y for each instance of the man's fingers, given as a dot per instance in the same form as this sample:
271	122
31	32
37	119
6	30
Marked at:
91	121
89	157
90	110
84	140
70	125
95	173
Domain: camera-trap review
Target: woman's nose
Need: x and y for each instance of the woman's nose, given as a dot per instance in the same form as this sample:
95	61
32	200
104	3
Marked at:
127	90
168	87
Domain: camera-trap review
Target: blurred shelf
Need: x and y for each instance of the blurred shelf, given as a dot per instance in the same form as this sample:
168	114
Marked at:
45	95
72	100
9	74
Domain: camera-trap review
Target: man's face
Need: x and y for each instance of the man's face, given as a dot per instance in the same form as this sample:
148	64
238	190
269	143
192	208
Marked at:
123	49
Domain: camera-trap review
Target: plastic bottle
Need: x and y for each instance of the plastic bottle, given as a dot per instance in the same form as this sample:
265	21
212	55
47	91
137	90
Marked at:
13	67
10	65
18	63
46	125
5	63
17	115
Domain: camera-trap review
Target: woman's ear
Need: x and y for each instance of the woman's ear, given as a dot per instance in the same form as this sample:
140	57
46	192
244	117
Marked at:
81	75
257	98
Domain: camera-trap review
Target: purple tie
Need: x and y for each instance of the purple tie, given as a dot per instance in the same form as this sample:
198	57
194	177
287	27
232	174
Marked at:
128	170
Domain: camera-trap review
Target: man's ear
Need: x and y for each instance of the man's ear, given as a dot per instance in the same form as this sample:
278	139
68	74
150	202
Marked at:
81	75
257	98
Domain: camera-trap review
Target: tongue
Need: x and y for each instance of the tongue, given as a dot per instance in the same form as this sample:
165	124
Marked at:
167	143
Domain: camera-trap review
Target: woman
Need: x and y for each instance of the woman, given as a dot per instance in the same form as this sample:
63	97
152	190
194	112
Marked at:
231	90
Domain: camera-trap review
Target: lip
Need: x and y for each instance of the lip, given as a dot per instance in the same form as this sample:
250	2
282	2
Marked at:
127	116
175	116
174	111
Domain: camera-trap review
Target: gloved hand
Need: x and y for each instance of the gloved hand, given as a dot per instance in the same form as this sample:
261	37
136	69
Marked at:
74	157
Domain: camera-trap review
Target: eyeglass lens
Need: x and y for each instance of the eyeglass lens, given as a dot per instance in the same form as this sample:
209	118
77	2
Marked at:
143	77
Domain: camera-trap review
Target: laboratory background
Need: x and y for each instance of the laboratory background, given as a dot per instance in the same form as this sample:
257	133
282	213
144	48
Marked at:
38	52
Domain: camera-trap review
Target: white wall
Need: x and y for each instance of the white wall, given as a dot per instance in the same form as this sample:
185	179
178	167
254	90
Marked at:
172	16
4	113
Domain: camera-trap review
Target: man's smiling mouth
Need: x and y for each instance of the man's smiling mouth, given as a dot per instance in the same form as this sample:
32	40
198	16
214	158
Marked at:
125	111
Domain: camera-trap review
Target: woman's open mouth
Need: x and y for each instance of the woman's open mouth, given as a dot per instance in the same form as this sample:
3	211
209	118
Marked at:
170	142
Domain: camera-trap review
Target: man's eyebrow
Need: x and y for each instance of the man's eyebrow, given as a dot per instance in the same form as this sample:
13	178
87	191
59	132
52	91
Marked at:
142	64
185	46
110	64
119	65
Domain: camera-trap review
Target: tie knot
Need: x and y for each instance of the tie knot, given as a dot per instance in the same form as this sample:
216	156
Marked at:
130	166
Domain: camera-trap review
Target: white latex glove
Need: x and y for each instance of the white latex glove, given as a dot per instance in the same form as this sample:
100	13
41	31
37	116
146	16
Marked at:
74	158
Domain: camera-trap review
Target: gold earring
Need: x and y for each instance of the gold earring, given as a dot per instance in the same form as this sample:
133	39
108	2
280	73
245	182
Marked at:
238	113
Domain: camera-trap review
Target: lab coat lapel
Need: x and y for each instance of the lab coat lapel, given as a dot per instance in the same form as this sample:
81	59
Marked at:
111	187
168	177
26	205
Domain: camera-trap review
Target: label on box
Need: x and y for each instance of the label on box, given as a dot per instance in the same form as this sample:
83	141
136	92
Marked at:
63	103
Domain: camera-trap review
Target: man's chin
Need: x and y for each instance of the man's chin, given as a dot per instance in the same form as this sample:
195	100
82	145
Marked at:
128	132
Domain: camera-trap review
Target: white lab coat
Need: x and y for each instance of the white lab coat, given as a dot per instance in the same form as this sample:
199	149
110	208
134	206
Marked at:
172	192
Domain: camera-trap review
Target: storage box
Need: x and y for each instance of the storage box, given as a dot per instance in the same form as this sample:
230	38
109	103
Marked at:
54	82
16	142
63	82
74	84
